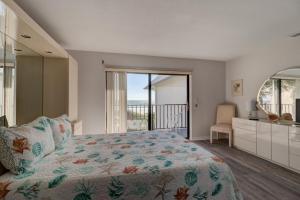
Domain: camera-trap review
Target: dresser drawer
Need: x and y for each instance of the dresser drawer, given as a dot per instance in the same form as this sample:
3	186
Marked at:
294	131
264	128
244	124
264	139
245	134
280	144
245	144
295	144
295	162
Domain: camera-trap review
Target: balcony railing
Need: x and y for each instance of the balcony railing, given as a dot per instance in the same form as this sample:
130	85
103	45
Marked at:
164	116
273	108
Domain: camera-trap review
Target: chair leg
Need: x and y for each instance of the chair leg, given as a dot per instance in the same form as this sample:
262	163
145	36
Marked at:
211	136
230	139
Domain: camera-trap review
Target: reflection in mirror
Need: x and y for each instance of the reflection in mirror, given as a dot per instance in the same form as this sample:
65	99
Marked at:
2	16
21	83
29	83
280	94
10	83
2	43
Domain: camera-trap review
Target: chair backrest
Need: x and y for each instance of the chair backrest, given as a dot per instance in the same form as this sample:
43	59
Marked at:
225	113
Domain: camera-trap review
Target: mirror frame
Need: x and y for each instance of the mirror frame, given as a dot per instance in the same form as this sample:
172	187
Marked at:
257	97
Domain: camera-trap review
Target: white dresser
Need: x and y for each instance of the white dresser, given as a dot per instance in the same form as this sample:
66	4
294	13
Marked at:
294	147
263	134
244	134
277	143
280	144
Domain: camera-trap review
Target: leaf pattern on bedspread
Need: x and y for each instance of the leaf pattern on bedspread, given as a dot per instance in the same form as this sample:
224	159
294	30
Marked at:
214	172
182	193
191	177
199	195
141	165
217	189
4	189
56	181
29	190
37	149
116	188
84	190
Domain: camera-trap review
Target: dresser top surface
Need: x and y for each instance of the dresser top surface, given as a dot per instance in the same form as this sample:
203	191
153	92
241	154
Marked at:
284	123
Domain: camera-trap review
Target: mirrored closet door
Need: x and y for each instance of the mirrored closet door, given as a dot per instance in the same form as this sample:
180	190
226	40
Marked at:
21	83
37	76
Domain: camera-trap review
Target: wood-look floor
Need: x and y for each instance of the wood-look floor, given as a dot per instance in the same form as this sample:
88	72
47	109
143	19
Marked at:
258	179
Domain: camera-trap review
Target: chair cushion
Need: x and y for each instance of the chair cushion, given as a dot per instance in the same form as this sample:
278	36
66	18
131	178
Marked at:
62	130
222	128
21	147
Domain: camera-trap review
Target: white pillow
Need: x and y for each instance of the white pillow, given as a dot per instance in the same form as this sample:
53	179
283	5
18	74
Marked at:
21	147
62	130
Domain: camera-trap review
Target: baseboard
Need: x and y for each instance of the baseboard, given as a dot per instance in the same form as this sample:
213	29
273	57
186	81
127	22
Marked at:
199	138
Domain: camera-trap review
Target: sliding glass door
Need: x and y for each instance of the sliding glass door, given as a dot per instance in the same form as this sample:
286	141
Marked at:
153	102
137	102
170	103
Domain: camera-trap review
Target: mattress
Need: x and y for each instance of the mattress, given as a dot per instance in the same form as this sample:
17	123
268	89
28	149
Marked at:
140	165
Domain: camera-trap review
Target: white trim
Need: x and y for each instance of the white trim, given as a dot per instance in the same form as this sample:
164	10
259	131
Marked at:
204	137
151	71
105	102
191	106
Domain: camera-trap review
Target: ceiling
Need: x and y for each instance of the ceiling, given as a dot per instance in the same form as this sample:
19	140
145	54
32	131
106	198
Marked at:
206	29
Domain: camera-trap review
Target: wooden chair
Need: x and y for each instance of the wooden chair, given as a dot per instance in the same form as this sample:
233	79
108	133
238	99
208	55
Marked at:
225	113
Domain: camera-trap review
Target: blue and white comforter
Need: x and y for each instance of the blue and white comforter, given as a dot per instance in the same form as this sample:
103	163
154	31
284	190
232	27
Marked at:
143	165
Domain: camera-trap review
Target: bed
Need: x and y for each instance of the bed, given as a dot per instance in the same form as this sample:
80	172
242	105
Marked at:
140	165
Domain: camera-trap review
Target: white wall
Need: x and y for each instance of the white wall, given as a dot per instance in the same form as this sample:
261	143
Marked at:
208	81
171	91
73	89
255	68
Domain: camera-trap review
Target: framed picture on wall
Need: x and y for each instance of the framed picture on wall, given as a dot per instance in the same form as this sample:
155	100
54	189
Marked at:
237	87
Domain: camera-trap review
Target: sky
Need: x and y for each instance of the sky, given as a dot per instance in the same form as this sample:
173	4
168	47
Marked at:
135	86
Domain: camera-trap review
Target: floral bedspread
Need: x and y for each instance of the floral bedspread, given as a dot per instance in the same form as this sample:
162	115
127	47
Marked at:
142	165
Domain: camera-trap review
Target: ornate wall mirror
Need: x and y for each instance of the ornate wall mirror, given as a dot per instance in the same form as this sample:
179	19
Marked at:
280	94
